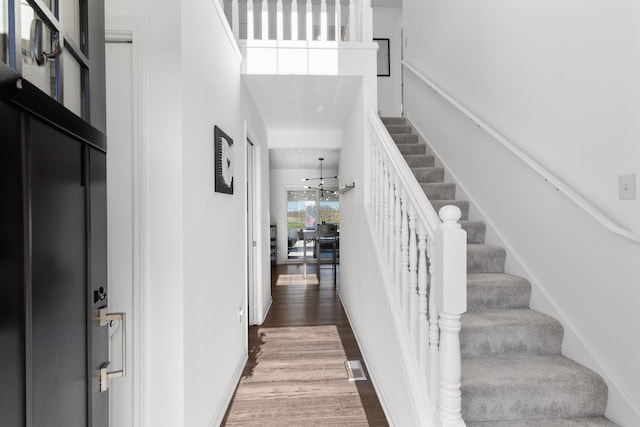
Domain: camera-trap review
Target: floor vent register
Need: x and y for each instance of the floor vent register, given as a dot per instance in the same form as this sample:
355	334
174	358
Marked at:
354	370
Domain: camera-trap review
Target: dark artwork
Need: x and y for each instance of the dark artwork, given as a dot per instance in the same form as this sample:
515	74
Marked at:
224	162
384	64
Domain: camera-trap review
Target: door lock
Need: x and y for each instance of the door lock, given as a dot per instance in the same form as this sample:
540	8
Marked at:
105	319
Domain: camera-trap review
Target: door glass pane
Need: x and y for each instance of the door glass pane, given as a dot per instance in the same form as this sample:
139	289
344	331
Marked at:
72	84
70	19
329	208
301	217
42	75
4	32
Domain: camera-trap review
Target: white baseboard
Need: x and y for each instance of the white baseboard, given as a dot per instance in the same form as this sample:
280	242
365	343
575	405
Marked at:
266	312
221	410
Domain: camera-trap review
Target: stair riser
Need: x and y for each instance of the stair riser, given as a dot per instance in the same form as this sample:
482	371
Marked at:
514	339
475	231
420	161
405	138
398	129
485	259
463	205
439	191
490	296
412	148
425	175
393	120
570	399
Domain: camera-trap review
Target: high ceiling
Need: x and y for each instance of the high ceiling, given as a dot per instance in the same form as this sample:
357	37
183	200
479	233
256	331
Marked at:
302	102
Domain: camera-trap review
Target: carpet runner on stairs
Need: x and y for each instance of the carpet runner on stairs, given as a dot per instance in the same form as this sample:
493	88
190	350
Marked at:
513	372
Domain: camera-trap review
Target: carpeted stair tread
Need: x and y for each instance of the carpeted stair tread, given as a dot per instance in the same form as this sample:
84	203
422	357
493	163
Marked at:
462	204
536	387
419	160
404	138
476	230
508	332
548	422
432	174
497	290
393	129
439	191
393	120
412	149
485	258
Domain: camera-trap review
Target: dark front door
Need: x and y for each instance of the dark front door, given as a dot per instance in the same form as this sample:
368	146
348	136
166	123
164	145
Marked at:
68	280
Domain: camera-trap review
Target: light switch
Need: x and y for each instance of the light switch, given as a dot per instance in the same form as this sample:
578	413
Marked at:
627	186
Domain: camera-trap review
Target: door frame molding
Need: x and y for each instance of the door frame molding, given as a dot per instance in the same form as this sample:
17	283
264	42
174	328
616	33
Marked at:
135	30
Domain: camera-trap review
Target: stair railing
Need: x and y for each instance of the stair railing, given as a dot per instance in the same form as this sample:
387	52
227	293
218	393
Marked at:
424	256
297	20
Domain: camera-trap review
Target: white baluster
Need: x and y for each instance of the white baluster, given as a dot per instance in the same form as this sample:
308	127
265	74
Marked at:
397	258
250	20
323	20
451	283
338	21
279	21
294	20
434	331
404	289
413	274
390	238
423	321
235	19
385	208
309	27
352	21
265	20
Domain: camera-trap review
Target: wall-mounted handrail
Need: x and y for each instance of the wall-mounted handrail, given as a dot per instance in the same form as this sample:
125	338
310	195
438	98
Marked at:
572	194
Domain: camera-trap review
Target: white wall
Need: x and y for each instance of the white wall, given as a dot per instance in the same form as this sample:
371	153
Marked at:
214	223
387	24
560	81
197	238
281	181
163	106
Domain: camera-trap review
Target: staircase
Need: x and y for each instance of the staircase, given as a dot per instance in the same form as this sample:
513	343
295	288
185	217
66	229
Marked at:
513	372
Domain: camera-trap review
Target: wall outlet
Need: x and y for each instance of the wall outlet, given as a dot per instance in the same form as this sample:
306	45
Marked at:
627	186
240	314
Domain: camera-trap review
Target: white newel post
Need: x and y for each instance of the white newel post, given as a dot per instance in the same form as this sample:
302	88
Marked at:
294	20
279	21
451	283
235	19
250	23
338	21
309	24
265	20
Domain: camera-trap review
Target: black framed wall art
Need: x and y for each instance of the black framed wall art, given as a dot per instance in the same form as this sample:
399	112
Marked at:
384	63
224	162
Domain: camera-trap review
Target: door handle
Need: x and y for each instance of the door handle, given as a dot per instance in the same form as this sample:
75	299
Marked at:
105	319
37	44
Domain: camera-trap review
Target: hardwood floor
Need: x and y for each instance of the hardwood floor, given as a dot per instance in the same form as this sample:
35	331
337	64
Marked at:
295	374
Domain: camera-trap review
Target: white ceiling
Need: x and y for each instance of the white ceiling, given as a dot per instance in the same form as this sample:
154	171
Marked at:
386	3
297	102
307	158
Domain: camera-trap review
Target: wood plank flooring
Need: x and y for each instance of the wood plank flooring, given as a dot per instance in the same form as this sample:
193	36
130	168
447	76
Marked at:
295	375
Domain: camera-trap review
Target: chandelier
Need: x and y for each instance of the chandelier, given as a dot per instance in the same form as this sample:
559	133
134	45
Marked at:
320	185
